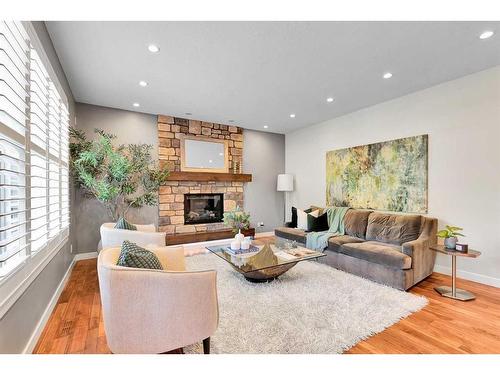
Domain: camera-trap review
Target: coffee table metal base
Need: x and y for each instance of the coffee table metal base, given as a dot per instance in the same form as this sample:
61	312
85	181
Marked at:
267	274
260	280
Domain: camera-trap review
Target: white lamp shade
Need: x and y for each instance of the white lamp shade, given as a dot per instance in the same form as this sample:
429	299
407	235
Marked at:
285	182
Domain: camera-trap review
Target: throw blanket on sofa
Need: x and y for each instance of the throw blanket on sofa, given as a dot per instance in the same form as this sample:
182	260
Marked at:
319	240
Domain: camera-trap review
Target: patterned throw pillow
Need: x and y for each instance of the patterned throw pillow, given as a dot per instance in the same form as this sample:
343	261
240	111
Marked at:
124	224
135	256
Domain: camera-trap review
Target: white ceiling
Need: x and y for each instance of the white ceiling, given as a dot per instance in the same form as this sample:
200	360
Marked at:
258	73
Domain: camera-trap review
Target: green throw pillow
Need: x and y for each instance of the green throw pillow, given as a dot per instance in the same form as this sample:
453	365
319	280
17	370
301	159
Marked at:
135	256
124	224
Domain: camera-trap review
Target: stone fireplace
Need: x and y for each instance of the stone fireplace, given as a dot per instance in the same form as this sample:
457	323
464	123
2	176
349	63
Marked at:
173	217
203	208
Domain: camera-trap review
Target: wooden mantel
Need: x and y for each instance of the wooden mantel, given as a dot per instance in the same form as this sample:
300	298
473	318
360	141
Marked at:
209	176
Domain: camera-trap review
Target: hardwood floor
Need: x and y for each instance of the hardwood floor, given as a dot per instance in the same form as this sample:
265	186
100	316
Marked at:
443	326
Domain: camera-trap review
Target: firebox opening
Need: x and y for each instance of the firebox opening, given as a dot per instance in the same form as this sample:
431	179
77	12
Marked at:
203	208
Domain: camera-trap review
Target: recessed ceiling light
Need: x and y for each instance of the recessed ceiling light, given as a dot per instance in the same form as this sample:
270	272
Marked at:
136	105
221	154
387	75
153	48
210	161
143	83
329	100
486	34
188	113
292	115
265	126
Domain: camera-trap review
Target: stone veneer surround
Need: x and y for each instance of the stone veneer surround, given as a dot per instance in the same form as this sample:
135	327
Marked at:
171	209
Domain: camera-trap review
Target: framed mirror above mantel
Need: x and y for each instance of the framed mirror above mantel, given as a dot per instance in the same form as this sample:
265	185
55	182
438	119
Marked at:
204	154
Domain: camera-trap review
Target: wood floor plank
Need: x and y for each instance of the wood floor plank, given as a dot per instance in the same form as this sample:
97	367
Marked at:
443	326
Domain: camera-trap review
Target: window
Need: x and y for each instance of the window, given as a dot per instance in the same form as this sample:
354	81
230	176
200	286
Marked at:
34	183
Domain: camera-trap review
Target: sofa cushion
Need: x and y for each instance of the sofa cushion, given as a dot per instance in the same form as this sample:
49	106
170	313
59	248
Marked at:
393	229
355	222
334	243
293	234
377	252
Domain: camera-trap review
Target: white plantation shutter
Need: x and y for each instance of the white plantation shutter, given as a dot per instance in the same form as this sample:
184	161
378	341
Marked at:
14	49
39	204
34	177
13	214
14	84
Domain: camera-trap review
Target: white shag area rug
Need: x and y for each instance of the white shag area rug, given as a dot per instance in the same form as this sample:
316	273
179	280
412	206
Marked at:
312	308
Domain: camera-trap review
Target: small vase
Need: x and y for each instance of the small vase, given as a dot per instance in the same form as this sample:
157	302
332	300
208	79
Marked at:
450	242
239	236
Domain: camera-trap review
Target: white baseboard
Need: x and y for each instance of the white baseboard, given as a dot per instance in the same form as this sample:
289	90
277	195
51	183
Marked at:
488	280
82	256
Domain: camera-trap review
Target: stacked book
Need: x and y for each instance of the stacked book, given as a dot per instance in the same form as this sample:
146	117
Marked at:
251	249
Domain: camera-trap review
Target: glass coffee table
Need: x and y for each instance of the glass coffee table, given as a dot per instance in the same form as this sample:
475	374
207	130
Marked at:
266	263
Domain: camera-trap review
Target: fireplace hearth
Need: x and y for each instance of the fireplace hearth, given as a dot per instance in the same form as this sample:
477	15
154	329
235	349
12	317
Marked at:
203	208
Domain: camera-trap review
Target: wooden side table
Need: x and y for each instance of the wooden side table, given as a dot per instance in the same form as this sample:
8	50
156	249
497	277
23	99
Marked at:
453	291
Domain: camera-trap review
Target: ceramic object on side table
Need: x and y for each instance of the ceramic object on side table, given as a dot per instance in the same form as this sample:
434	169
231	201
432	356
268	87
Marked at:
450	242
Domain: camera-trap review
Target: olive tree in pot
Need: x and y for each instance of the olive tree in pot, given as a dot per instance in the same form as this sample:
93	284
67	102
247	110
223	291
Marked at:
119	177
450	234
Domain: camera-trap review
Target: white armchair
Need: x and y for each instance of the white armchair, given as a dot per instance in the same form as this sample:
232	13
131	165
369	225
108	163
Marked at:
144	235
155	311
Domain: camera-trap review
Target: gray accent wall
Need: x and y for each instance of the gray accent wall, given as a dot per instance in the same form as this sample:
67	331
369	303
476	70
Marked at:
264	158
21	320
129	127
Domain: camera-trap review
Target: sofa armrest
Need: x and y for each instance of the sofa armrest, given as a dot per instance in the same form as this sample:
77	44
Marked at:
413	248
422	257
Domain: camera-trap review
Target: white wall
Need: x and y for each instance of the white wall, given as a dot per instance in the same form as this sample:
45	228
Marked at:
462	118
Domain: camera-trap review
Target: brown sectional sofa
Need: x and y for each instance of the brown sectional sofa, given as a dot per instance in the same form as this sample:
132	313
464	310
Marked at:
387	248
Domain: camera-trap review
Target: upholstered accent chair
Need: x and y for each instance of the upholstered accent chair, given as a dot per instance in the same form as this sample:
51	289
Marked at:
144	235
155	311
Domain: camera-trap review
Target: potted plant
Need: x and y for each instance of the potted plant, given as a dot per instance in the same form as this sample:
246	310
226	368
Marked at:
237	220
450	234
119	177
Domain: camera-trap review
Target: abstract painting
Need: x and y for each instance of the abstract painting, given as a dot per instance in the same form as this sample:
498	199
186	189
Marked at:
389	175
